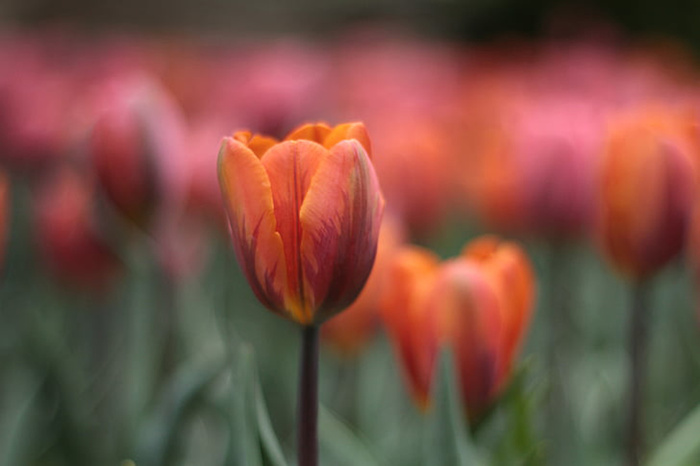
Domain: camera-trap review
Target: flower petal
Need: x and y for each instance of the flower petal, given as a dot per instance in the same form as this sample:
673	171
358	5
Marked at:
411	324
248	199
340	220
349	131
316	132
290	166
257	143
469	307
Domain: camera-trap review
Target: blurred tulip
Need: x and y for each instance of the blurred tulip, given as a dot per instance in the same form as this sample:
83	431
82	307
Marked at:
68	231
4	215
478	304
508	268
305	216
647	188
137	147
473	325
349	331
410	322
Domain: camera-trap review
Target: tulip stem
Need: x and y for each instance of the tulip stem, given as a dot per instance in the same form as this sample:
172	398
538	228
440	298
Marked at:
307	423
639	322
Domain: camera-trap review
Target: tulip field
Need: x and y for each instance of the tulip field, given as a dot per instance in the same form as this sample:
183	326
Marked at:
380	249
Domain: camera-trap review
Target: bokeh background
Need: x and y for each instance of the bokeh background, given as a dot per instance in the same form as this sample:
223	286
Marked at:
127	330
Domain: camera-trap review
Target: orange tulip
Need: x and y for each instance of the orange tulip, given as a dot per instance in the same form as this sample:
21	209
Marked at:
509	269
479	304
411	324
473	325
304	216
350	331
648	176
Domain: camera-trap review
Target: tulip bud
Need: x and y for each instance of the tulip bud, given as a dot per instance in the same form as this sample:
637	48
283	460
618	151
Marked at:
137	149
68	233
304	217
412	325
647	190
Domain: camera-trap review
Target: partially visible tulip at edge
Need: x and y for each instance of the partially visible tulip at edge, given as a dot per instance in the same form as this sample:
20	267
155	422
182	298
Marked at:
648	176
478	304
304	214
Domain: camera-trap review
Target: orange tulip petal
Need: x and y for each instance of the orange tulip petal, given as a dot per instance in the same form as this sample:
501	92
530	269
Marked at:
316	132
290	166
340	221
257	143
472	323
412	327
248	200
349	131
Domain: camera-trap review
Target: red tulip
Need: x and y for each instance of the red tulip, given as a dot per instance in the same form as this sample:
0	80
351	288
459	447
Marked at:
68	231
304	216
137	147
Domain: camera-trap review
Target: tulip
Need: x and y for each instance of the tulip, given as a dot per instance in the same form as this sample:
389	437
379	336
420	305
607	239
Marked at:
69	234
304	216
478	304
412	327
137	148
350	331
473	325
509	269
647	190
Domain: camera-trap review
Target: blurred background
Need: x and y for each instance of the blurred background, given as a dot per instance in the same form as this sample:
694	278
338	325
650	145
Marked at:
128	333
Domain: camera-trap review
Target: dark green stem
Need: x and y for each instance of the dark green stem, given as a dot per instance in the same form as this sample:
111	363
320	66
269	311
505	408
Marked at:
307	422
638	342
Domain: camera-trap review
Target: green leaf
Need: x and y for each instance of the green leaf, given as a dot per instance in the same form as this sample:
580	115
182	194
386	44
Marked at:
244	448
159	432
271	445
340	443
682	446
447	441
16	425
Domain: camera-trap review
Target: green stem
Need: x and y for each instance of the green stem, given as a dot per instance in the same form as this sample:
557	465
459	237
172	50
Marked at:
307	423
